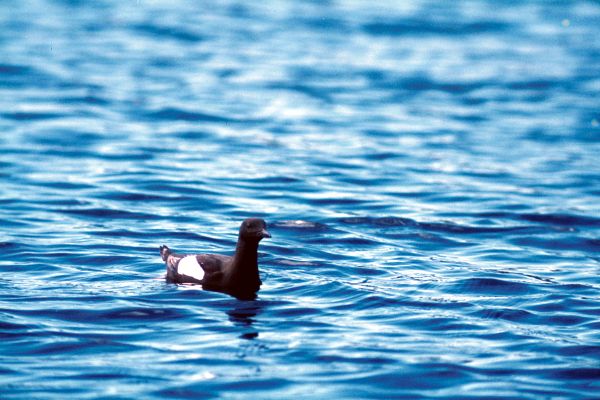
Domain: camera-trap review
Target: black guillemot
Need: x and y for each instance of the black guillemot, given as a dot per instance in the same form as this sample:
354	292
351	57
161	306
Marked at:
236	275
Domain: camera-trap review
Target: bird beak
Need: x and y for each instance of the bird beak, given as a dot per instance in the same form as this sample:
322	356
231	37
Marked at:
265	233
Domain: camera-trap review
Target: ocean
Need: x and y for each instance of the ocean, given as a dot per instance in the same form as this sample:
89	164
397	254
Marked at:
429	172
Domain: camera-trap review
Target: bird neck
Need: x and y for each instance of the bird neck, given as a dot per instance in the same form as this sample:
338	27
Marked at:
245	261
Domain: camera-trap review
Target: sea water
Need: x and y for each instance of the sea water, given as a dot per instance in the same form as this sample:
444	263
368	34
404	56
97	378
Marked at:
430	173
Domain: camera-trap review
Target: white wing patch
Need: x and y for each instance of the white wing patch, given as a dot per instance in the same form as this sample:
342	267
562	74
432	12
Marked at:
189	266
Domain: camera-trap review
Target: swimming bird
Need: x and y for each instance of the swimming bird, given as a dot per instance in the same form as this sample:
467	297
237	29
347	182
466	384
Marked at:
236	275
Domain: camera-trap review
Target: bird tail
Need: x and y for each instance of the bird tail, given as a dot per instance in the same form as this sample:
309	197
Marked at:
165	252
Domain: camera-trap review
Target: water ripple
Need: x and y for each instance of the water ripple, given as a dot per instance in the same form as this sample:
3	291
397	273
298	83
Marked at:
429	173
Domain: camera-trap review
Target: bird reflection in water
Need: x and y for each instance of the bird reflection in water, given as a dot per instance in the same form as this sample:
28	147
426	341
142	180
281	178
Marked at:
243	315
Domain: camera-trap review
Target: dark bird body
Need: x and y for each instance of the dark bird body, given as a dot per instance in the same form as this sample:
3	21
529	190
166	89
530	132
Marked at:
236	275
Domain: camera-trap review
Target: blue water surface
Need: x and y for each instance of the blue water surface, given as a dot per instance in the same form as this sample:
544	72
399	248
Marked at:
430	173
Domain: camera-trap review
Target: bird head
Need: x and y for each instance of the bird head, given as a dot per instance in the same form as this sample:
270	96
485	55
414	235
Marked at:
254	229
